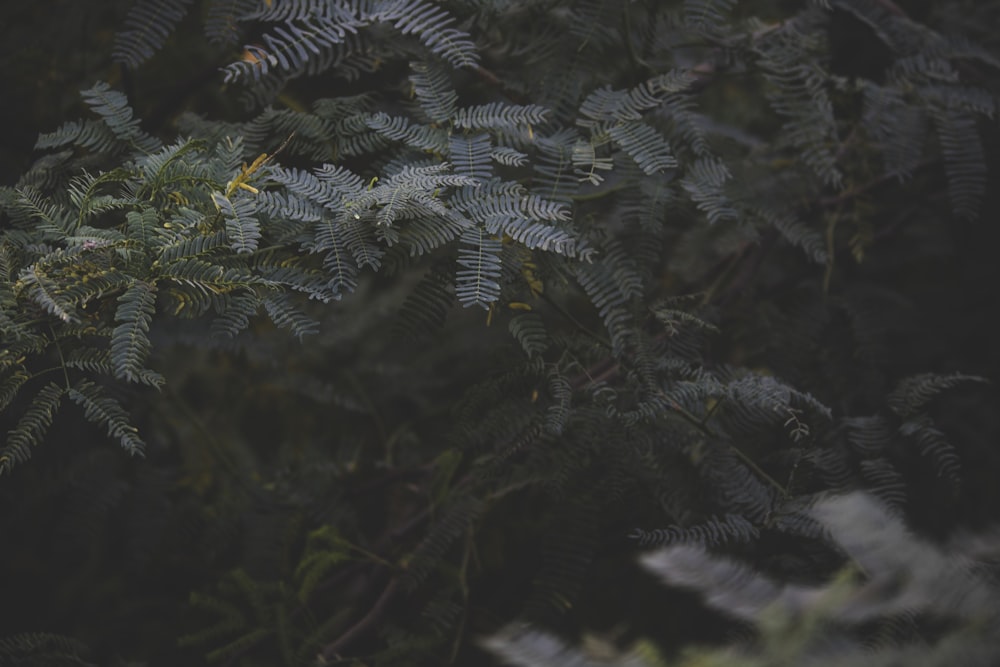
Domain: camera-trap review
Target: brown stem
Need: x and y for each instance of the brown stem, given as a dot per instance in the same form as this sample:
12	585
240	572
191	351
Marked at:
864	188
374	615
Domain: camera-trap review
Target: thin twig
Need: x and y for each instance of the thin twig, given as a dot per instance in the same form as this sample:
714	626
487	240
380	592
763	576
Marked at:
374	615
62	359
565	313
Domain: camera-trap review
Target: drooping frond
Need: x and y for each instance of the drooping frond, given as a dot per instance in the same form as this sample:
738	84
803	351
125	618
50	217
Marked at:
554	176
729	529
325	549
43	648
291	45
899	127
933	445
707	16
644	145
883	480
913	393
705	183
331	238
433	26
103	410
534	222
143	226
509	156
28	207
284	314
46	292
558	412
420	137
242	226
147	26
31	427
607	105
964	161
498	116
426	307
130	339
359	237
191	246
223	18
205	277
412	193
798	92
331	186
479	261
797	233
236	312
456	518
610	283
738	487
308	134
869	436
305	37
433	91
529	331
114	110
90	195
766	401
471	155
90	134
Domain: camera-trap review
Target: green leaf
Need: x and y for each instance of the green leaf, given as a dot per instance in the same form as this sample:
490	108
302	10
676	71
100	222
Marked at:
130	339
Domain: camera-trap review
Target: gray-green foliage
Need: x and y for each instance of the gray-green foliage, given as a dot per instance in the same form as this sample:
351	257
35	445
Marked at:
898	600
208	229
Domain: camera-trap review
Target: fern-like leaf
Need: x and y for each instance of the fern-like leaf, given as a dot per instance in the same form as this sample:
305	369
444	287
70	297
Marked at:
44	291
222	20
420	137
529	331
644	145
433	91
285	315
31	427
425	309
912	394
607	105
964	161
471	155
143	226
707	16
42	648
730	529
497	116
130	339
704	182
115	112
105	411
325	549
237	310
477	281
147	27
509	156
455	519
431	25
934	445
242	226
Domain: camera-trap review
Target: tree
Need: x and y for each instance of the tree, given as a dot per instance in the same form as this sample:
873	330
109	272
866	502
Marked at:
419	318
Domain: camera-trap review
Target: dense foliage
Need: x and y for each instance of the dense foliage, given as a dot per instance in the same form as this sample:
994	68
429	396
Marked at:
420	322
